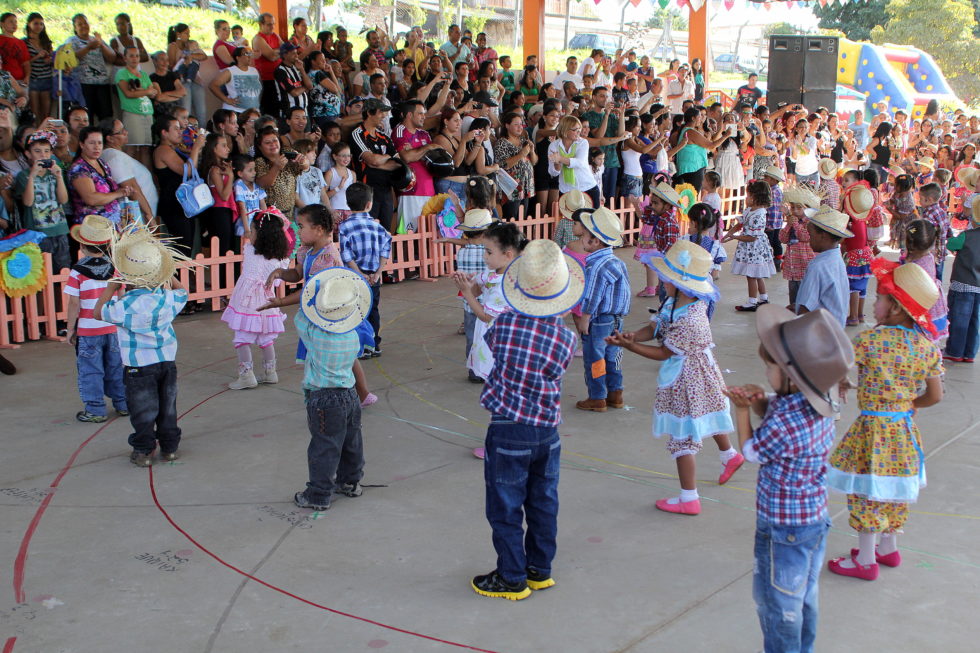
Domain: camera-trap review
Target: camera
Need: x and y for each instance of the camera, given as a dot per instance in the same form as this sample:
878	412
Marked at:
46	163
477	105
290	155
133	84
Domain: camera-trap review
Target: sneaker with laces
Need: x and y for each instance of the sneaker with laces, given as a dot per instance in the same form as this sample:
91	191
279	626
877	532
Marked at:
141	459
494	586
351	489
300	500
538	581
85	416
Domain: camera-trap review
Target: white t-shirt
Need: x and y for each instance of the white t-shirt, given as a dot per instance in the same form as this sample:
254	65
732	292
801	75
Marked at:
588	67
806	164
631	163
125	167
308	186
566	76
685	90
338	201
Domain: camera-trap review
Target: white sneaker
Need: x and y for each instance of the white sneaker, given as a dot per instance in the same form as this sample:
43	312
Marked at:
271	376
245	381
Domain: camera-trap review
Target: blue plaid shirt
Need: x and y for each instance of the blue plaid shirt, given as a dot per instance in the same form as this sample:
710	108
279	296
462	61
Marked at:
469	260
364	241
144	320
530	356
329	356
774	214
792	445
607	284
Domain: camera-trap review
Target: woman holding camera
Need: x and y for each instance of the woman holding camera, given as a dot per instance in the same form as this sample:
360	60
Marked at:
276	171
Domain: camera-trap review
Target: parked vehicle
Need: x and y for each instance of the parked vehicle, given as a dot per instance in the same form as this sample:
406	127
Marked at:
729	63
606	43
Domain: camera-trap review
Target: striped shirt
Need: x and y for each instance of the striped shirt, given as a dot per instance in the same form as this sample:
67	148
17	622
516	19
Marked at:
329	356
88	291
607	284
145	320
364	241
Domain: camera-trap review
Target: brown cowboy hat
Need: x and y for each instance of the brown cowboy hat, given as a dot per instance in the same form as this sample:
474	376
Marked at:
812	349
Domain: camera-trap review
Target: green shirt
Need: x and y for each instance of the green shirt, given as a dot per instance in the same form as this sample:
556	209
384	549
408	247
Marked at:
329	356
139	105
594	118
46	214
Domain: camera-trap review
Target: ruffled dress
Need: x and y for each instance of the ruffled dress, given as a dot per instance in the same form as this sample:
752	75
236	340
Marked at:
754	259
480	360
690	404
728	165
242	313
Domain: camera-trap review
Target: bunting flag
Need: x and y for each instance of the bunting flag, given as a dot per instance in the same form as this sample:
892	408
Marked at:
635	3
731	3
663	3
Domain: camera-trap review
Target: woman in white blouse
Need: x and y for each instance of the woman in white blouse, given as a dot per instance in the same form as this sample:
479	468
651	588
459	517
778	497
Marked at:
568	159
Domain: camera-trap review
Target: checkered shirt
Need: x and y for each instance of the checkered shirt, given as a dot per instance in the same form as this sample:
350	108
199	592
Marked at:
364	241
469	260
792	444
666	231
938	216
144	320
329	356
830	193
774	213
607	284
530	356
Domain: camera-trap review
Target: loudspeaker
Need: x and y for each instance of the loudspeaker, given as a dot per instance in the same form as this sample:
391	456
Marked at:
803	70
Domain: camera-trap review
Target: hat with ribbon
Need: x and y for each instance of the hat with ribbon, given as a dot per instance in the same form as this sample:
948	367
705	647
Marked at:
858	200
94	230
336	299
543	281
572	201
686	266
604	225
910	286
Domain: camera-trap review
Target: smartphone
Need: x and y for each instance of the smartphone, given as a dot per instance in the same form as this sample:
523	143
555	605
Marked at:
290	155
56	123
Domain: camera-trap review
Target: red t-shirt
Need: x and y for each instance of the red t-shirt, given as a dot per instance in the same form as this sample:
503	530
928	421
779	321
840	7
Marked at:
230	47
265	67
405	140
14	53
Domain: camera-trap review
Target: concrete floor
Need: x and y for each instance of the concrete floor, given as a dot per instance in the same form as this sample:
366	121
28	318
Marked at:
106	571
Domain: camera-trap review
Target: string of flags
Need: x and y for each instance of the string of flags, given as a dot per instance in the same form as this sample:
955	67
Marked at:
696	5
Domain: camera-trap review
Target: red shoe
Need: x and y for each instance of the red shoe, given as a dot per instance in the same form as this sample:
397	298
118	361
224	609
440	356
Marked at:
682	508
954	359
893	559
731	467
864	572
967	360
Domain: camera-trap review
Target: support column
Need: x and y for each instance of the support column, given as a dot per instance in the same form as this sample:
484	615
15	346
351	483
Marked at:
533	32
697	38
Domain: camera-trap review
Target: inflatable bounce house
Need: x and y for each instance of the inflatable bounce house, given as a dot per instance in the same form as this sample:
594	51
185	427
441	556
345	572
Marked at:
893	77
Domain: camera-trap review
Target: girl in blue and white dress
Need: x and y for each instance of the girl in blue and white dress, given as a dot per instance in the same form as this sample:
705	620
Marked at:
753	256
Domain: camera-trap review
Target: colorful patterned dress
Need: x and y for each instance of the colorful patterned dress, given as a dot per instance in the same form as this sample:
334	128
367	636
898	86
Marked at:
480	360
652	233
879	463
690	404
798	253
902	208
754	259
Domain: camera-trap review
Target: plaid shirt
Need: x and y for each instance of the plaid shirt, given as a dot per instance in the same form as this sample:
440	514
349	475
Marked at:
607	284
774	213
145	324
938	216
329	356
530	356
364	241
830	193
469	260
792	445
666	230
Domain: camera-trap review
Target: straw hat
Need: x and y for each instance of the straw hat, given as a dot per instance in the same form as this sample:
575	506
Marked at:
896	169
336	300
476	220
775	172
142	259
828	168
831	221
911	286
812	349
604	225
968	177
858	201
686	266
927	162
572	201
94	230
975	216
801	195
543	281
667	193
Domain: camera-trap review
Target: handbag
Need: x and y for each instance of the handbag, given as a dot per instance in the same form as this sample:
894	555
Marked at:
193	193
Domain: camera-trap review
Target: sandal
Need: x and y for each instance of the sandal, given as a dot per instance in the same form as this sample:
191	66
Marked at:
850	322
647	292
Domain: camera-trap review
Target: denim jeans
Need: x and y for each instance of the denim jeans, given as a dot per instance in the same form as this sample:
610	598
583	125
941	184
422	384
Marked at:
458	187
151	395
521	474
195	101
336	452
788	560
964	324
595	350
610	182
100	373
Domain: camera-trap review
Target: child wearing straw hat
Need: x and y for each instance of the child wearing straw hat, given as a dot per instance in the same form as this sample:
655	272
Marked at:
805	358
857	203
334	302
829	190
659	231
690	404
100	369
144	317
901	206
795	236
964	293
568	204
773	176
824	283
532	350
605	302
879	463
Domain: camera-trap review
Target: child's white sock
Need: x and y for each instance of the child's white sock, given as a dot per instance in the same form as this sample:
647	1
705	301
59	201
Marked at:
727	455
866	549
269	357
686	495
889	543
244	358
752	301
763	297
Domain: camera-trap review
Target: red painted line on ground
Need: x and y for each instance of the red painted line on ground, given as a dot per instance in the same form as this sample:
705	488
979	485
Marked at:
9	646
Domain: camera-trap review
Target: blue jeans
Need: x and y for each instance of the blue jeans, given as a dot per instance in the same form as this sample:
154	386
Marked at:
458	187
787	566
336	452
521	474
151	395
100	373
964	324
595	349
195	101
610	181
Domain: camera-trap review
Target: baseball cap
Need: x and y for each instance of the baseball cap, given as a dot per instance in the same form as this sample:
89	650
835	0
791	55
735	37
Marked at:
374	104
482	97
287	47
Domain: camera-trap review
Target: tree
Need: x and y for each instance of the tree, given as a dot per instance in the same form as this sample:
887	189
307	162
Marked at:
855	19
780	28
944	29
659	18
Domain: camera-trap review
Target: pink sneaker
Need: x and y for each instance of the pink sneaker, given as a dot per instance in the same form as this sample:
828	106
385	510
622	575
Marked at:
371	398
480	453
682	508
730	468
